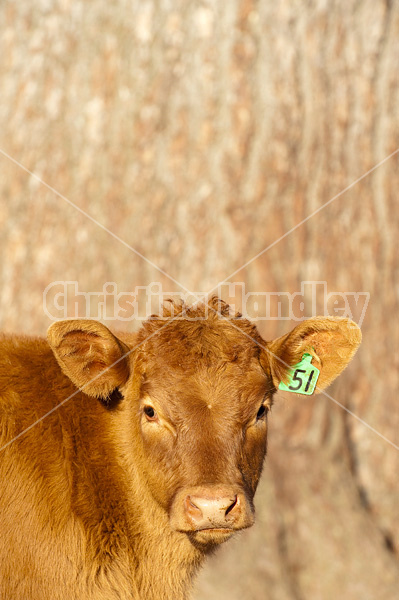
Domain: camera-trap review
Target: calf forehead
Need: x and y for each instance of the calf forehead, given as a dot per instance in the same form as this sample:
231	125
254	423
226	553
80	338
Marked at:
217	387
210	361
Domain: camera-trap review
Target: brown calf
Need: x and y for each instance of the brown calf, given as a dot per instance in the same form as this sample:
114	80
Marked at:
150	453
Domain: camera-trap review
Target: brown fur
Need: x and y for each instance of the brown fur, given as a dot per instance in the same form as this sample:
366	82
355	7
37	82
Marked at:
90	496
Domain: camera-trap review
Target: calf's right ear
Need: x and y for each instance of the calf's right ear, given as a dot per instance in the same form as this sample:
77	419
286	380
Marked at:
90	355
331	342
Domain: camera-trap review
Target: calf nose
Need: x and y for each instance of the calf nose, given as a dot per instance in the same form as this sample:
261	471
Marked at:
206	512
212	506
211	510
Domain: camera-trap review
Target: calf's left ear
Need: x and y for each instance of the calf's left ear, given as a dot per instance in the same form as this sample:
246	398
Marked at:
90	355
331	341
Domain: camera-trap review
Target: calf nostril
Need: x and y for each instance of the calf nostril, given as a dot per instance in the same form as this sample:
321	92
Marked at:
232	506
192	509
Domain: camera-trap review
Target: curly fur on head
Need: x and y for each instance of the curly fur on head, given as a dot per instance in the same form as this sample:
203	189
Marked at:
204	329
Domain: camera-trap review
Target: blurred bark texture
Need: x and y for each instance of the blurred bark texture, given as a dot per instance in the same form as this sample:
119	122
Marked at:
200	132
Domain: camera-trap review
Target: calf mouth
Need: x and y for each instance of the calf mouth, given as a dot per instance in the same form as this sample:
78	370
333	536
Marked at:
210	537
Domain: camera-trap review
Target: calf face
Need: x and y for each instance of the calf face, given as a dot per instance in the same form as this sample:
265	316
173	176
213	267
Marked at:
203	430
200	389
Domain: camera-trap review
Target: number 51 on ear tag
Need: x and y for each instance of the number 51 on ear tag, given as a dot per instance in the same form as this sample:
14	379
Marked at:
302	378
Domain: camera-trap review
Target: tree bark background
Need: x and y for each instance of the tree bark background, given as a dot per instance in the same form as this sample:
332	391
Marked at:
199	133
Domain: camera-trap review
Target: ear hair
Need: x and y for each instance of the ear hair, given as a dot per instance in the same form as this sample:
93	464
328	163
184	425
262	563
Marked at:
113	399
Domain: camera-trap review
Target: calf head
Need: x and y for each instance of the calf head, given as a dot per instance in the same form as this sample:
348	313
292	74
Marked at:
199	385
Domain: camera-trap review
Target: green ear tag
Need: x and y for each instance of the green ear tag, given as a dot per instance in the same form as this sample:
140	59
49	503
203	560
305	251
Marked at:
303	377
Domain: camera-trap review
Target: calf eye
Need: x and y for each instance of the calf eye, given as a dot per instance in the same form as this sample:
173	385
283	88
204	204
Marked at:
261	412
150	413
